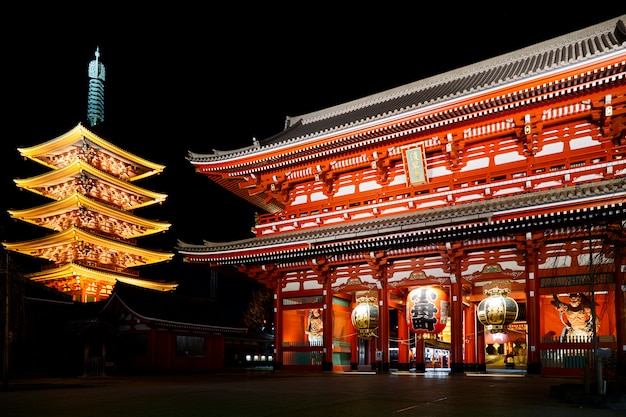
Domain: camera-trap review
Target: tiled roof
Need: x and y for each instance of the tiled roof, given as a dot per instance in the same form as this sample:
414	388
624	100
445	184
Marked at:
594	41
455	217
558	52
177	311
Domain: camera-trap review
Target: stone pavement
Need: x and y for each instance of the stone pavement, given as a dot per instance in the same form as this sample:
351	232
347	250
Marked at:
281	393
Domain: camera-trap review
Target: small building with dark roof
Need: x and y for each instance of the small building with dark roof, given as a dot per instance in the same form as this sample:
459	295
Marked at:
136	330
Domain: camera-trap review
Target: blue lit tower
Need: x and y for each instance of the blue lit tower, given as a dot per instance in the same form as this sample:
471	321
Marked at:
95	98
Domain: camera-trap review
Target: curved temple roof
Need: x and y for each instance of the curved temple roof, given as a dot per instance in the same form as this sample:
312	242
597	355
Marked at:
72	209
52	185
466	220
86	273
310	141
578	54
61	241
50	153
595	41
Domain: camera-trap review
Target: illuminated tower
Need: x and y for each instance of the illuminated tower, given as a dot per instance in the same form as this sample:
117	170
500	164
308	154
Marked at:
95	97
92	228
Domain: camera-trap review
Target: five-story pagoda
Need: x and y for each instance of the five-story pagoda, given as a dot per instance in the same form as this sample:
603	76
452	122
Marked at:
91	215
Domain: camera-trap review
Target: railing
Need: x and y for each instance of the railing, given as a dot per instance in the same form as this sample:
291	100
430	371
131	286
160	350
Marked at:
302	353
567	339
572	354
310	358
565	358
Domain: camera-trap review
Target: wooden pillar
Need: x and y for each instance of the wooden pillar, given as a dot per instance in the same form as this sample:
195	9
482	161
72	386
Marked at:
278	328
404	359
382	343
469	327
420	364
480	346
456	331
322	268
378	262
532	306
327	356
354	347
453	253
620	307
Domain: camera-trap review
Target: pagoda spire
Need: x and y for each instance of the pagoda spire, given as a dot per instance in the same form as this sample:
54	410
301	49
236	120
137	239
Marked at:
95	97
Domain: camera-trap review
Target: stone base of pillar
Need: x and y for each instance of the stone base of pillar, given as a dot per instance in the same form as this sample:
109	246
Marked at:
327	366
457	368
475	367
533	368
404	366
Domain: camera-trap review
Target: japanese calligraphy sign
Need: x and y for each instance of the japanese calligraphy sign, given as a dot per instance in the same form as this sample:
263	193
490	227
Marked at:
414	159
427	310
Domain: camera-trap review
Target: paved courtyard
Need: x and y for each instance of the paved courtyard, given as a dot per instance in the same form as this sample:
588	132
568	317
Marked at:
267	393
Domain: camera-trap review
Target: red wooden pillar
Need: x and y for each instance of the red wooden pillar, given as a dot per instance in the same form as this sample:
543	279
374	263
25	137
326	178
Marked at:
620	306
382	344
404	359
278	328
469	336
480	345
456	331
532	308
327	357
420	365
354	348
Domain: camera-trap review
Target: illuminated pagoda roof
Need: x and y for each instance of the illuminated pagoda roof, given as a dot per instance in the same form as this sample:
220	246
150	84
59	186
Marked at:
81	143
75	244
310	142
61	183
86	213
84	273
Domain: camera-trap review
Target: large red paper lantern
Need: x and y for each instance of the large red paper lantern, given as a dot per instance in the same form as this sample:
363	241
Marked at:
427	310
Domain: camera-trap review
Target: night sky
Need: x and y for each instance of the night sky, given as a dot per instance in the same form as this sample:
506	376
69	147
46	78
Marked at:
189	78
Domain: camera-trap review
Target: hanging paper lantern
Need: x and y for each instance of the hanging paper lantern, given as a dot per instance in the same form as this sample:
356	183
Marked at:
497	310
427	310
365	316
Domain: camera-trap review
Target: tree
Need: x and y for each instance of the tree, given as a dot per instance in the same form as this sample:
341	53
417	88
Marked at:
259	314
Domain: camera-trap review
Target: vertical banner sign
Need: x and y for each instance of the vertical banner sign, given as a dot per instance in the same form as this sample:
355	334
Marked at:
415	165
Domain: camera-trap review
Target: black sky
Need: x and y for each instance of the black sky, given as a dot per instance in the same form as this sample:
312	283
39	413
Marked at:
182	77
